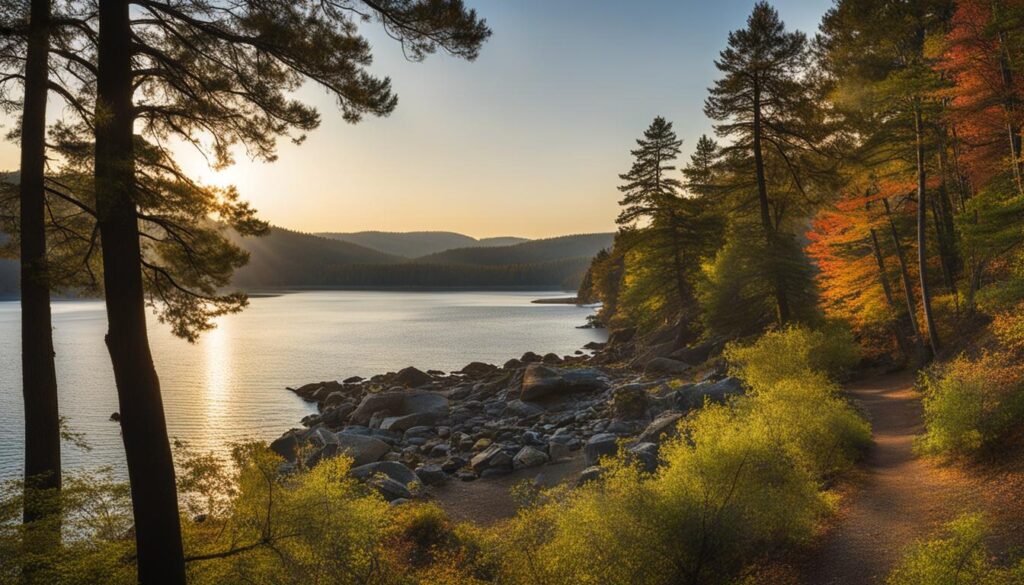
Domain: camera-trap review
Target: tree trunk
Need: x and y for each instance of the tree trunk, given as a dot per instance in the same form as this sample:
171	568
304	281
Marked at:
143	428
908	289
883	278
39	378
781	297
1010	106
922	249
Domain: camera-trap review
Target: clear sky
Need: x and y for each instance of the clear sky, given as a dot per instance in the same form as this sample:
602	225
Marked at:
528	140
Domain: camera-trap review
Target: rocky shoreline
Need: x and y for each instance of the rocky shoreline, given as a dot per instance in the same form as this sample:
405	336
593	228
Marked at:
409	429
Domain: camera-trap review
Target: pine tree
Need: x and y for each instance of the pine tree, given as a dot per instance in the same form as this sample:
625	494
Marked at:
764	104
224	72
672	233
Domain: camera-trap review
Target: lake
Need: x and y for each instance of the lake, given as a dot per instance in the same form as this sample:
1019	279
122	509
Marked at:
230	386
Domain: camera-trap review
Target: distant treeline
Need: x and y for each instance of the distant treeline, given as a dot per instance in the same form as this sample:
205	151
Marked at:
566	273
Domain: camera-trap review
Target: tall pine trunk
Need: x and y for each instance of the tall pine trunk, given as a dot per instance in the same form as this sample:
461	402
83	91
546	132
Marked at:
908	288
39	378
1010	106
883	279
922	249
771	239
143	428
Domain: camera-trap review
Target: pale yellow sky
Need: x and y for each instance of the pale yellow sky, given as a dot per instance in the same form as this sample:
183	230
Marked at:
526	141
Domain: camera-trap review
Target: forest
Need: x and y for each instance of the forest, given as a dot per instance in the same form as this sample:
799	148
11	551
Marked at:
858	209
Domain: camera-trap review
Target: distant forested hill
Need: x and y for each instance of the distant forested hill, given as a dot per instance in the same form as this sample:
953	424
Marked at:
289	258
583	245
286	258
416	244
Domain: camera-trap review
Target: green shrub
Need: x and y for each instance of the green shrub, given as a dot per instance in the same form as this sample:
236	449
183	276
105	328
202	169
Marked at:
741	479
794	352
958	558
970	404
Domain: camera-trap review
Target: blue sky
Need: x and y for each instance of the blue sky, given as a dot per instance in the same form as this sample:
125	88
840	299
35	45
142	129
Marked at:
528	140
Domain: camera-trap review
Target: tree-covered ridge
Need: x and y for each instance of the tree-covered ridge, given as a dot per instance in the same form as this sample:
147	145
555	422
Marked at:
416	244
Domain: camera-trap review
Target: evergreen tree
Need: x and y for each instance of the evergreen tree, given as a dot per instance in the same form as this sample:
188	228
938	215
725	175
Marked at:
764	104
224	72
673	237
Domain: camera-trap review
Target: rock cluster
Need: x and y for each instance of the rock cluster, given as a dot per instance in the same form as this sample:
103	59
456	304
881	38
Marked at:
413	428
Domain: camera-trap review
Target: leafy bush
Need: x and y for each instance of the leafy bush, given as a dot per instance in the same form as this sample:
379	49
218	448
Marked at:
795	352
969	404
959	558
741	479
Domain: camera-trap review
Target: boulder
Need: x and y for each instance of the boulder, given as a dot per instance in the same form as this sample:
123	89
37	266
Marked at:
521	409
478	369
529	457
598	446
412	378
361	449
287	444
646	454
589	474
540	381
431	474
664	365
530	357
352	380
551	358
391	469
512	364
390	489
491	458
558	451
720	391
433	407
630	401
697	354
665	426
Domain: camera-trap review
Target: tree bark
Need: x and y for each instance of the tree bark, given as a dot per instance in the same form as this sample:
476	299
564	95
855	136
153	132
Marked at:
883	278
143	427
39	378
781	297
908	289
922	250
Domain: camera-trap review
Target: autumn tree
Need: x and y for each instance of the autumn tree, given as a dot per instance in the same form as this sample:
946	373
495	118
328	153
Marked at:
886	86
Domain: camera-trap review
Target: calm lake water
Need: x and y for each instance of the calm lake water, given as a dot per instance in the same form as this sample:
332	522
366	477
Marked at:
230	386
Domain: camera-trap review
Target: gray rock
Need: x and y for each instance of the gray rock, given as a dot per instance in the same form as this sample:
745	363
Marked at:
589	474
431	474
558	451
287	444
663	427
391	469
529	457
598	446
412	378
522	409
433	407
664	365
490	458
361	449
478	369
540	381
390	489
719	392
646	454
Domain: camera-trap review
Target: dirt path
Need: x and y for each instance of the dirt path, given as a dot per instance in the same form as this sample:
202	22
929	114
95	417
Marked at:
897	498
